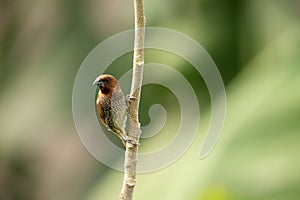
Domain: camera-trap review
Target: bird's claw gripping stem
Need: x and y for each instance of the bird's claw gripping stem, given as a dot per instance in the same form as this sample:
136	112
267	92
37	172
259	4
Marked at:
131	141
128	99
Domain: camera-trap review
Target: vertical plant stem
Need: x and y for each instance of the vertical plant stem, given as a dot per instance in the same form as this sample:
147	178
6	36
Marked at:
134	130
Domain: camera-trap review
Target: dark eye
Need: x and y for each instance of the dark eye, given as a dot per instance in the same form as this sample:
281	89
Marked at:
107	79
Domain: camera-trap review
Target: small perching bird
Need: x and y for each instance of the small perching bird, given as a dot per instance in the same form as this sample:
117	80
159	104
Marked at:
111	105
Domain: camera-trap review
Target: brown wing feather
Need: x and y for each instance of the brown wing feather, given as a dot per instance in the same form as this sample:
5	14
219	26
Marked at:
100	110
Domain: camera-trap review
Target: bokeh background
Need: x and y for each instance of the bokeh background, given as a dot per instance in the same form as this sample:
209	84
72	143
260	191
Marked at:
254	43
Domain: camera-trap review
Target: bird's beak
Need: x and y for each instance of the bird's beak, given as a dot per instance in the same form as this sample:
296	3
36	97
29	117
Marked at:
97	81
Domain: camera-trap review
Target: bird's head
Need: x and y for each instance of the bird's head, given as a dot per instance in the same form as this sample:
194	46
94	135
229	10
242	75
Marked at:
107	83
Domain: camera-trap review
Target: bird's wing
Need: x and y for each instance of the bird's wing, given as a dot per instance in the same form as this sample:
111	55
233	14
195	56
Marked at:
101	110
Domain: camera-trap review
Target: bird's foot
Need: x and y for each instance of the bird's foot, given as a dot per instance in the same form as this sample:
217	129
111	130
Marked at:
131	141
128	99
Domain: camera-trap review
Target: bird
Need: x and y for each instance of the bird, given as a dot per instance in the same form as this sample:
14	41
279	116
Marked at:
111	105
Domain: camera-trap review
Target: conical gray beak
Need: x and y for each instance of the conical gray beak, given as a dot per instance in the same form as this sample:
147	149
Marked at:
97	81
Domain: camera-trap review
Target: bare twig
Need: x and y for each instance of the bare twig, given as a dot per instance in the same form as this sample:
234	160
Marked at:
134	129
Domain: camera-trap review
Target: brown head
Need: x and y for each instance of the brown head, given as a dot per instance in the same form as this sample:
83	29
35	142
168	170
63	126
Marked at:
107	83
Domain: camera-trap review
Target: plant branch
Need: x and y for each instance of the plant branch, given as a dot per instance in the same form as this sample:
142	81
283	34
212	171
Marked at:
134	129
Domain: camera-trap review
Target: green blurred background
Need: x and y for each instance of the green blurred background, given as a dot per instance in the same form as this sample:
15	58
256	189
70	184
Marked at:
254	43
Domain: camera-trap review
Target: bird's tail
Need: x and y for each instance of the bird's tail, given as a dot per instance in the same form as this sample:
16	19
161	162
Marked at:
123	137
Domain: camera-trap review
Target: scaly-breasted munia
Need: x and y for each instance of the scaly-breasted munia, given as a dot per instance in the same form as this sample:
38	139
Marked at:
111	105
